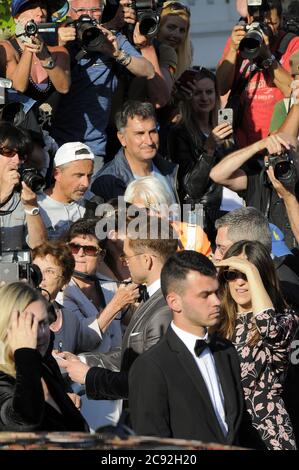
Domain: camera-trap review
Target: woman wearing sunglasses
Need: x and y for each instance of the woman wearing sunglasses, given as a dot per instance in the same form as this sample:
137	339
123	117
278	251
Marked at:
256	319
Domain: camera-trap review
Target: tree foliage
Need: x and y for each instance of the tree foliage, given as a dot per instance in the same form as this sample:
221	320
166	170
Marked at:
6	22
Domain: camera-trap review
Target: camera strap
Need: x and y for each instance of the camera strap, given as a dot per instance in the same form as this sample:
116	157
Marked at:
2	213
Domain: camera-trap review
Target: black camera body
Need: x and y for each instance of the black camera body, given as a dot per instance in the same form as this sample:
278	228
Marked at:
148	15
32	178
284	168
18	271
89	36
291	24
31	28
250	45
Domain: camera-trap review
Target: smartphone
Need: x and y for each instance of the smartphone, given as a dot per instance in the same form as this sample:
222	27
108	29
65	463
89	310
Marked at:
225	115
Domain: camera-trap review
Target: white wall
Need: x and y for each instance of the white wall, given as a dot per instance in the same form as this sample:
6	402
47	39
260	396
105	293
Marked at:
211	24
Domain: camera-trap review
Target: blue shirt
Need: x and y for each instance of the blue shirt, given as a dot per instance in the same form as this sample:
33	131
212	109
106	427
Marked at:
83	113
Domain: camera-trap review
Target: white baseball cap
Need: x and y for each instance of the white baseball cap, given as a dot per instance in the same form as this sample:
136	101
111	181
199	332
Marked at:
71	152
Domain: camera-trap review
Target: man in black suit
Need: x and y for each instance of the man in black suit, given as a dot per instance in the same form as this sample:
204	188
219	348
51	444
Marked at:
188	385
145	258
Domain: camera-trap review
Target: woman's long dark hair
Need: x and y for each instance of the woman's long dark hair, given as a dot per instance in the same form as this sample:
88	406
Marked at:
258	255
186	111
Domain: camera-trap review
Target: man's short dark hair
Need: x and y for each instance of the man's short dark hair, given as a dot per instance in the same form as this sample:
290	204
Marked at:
268	5
177	267
133	108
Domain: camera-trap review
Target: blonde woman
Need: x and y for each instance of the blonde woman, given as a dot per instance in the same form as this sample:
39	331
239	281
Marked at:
255	318
32	391
174	31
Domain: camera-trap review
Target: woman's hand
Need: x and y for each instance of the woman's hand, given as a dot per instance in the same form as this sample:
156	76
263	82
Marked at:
221	132
238	264
22	331
125	295
75	399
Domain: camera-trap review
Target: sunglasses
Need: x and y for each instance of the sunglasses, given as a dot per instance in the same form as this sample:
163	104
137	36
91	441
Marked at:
231	275
176	6
10	153
88	250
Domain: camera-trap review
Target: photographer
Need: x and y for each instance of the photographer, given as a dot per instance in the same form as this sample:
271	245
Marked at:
35	69
94	79
19	211
261	190
262	80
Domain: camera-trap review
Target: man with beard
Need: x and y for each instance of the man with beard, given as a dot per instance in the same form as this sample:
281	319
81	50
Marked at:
63	203
265	80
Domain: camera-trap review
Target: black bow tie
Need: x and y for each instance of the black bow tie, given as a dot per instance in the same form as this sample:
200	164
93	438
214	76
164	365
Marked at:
200	345
143	293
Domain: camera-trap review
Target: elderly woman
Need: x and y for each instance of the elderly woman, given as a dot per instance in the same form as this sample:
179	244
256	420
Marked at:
151	193
32	391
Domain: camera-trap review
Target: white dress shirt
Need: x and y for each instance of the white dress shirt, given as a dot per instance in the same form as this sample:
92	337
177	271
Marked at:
206	364
153	287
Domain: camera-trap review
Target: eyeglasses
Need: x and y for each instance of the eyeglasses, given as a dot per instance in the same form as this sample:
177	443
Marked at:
176	6
232	275
124	258
10	153
51	273
85	11
88	250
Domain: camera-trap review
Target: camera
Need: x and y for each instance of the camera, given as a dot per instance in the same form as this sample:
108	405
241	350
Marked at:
89	36
284	168
250	45
31	28
32	178
148	15
13	272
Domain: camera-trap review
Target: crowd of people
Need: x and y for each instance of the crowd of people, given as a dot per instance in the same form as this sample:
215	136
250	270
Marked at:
149	224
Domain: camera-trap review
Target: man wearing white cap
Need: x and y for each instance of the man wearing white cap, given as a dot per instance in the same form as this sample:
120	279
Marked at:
63	203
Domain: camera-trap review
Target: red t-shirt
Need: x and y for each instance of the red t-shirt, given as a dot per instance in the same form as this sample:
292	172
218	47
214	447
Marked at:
259	96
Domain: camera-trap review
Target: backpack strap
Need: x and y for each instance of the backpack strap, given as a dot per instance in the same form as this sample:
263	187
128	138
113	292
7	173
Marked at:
283	45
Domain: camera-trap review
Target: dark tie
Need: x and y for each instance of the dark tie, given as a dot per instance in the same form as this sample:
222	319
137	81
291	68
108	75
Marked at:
144	296
200	345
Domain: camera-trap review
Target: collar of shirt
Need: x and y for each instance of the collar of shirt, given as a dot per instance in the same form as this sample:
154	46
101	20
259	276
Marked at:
153	287
188	339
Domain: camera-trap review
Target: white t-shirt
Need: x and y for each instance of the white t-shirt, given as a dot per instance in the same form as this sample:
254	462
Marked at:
58	216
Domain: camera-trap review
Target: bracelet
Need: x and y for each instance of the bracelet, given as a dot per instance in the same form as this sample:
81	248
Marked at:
123	58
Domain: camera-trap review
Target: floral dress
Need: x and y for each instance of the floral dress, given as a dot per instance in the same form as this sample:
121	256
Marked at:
263	368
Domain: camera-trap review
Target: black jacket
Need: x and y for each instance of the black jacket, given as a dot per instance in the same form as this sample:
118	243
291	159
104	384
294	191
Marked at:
194	168
168	396
22	404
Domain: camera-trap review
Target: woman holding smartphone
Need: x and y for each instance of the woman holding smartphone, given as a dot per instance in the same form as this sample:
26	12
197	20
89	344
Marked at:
256	319
197	142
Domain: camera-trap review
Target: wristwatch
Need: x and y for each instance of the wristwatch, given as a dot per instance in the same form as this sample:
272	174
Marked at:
50	64
33	211
268	62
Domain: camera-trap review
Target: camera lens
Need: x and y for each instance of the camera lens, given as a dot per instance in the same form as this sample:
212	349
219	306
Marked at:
31	28
32	178
282	169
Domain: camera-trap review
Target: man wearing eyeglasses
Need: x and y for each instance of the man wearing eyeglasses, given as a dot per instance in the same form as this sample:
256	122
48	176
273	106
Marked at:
19	213
83	114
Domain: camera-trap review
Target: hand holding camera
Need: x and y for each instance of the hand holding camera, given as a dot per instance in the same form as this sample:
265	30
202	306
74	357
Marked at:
8	181
238	33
